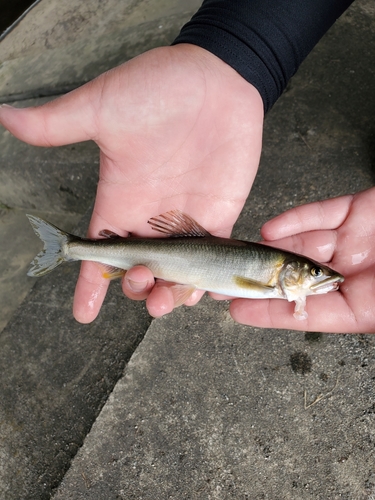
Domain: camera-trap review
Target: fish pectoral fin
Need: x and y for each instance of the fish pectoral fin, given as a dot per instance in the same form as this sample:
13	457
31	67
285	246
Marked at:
111	272
180	292
250	284
175	223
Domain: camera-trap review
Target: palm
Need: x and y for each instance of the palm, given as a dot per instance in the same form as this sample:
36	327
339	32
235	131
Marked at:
177	128
340	231
183	145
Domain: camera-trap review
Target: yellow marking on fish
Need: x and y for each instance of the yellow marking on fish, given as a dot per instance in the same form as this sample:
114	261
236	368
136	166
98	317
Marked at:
110	273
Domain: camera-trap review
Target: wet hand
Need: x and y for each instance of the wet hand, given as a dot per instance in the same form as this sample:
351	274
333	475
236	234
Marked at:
340	232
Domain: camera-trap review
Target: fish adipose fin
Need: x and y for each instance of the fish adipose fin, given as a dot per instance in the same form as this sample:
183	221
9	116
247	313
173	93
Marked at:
176	224
54	241
250	284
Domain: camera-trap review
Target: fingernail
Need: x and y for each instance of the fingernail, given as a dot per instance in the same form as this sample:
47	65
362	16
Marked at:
137	286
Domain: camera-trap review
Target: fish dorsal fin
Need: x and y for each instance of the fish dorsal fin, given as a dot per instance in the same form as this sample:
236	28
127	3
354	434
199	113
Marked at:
175	223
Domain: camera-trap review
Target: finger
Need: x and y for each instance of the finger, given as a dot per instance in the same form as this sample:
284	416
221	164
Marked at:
160	300
325	314
194	298
317	245
328	214
65	120
92	286
90	291
138	283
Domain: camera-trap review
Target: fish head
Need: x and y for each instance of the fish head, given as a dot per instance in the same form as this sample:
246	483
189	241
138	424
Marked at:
300	277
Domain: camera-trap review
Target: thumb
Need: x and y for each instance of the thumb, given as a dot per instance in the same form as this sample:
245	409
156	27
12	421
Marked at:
65	120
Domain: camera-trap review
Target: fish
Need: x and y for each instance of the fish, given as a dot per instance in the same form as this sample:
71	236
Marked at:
190	258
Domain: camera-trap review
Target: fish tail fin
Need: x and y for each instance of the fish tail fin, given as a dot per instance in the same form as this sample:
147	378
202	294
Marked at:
54	251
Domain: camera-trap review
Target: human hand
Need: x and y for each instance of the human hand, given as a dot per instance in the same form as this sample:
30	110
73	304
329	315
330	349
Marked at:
341	232
177	129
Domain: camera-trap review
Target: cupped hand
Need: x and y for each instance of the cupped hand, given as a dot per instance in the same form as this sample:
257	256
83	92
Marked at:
341	232
177	129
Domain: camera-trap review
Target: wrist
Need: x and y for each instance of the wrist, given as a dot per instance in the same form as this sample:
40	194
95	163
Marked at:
226	75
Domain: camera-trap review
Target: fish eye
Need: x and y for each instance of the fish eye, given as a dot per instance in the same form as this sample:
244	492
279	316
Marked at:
316	272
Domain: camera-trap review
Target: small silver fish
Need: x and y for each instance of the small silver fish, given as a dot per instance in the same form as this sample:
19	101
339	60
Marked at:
191	258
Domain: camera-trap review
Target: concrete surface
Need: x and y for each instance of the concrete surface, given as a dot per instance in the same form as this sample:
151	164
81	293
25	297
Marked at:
56	375
58	184
71	42
209	409
15	255
205	408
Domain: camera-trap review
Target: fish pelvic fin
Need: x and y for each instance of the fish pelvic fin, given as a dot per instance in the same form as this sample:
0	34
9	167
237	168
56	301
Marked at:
54	251
176	224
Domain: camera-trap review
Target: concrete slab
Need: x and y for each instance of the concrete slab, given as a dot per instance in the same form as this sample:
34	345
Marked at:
58	184
55	376
71	42
61	179
210	409
18	246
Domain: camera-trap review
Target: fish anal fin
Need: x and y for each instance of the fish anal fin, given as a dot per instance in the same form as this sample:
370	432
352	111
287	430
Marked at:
180	292
111	272
175	223
250	284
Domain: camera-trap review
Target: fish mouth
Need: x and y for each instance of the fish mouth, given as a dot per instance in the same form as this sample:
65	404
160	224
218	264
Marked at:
329	284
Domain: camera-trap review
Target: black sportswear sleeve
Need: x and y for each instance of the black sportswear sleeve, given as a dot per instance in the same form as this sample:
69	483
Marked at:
265	41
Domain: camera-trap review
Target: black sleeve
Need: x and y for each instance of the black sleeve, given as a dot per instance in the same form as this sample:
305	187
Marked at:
265	41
